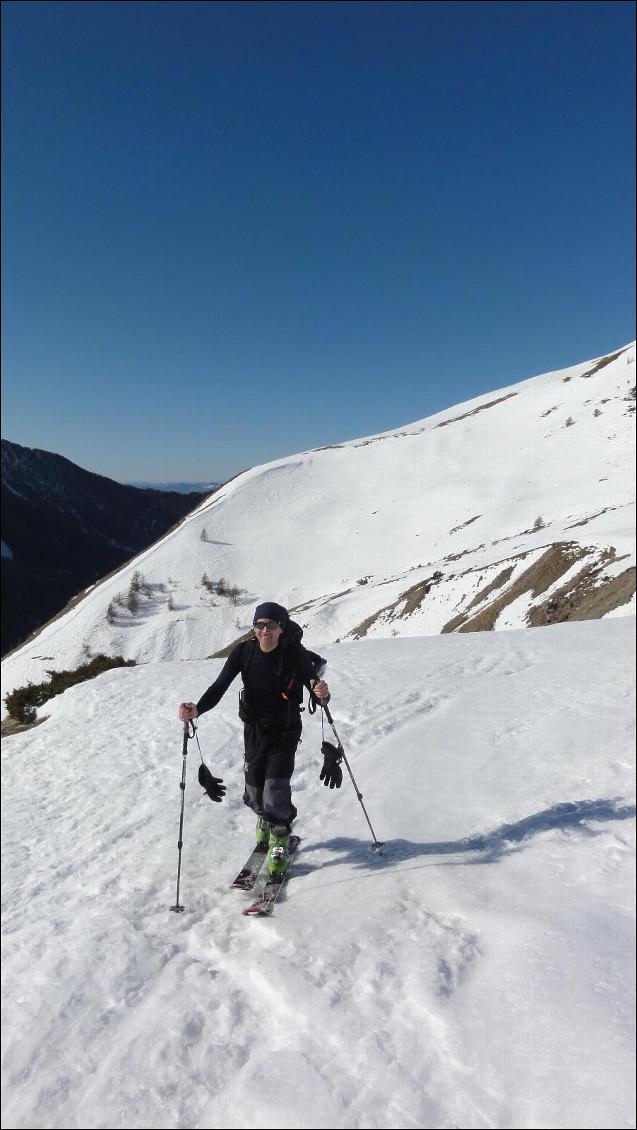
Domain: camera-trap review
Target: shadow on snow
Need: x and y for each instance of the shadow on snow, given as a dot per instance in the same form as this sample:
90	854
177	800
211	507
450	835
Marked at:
488	847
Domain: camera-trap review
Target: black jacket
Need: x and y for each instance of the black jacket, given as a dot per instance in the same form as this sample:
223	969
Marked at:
272	681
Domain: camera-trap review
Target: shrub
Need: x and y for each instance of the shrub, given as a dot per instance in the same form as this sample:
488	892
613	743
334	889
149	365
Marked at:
22	703
222	588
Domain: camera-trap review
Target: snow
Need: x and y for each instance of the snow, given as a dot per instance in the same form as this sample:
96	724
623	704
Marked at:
393	508
478	975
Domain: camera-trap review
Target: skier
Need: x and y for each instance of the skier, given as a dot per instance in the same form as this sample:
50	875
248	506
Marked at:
275	667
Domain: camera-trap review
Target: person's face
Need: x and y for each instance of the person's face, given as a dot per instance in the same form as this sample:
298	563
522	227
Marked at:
268	633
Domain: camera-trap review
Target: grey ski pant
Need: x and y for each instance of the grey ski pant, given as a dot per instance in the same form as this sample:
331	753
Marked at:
268	767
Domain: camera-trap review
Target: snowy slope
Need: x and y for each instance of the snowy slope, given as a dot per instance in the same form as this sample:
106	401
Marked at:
477	976
448	524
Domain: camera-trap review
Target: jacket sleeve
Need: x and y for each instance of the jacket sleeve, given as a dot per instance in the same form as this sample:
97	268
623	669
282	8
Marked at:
318	664
228	673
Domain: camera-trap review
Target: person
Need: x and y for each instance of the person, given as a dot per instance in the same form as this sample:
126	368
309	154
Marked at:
275	667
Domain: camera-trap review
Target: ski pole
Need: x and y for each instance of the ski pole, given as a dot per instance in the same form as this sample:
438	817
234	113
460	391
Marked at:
184	753
378	844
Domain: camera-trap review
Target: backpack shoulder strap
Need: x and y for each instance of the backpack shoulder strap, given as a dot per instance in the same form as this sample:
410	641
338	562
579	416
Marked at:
302	663
247	654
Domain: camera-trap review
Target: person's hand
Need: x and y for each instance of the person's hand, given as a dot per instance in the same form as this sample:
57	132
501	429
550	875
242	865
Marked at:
321	689
188	712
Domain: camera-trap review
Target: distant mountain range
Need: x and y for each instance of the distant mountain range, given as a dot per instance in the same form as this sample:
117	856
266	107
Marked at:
179	488
513	510
63	528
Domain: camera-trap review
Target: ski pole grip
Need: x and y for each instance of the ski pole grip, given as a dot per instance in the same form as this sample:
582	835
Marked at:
187	736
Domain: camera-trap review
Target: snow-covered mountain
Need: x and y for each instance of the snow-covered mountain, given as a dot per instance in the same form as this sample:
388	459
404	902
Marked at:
480	973
179	488
514	509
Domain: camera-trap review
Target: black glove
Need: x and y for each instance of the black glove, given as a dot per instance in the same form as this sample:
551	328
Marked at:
214	786
331	773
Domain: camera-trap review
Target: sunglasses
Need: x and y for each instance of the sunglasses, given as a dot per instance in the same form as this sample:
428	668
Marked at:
262	625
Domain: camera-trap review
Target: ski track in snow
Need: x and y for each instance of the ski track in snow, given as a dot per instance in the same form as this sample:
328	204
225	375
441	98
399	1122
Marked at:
478	974
474	976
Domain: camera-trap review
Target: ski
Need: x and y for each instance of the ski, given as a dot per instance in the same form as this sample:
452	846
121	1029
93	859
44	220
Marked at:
249	873
263	906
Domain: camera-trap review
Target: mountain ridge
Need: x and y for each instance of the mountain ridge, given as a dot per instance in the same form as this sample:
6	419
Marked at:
448	524
64	527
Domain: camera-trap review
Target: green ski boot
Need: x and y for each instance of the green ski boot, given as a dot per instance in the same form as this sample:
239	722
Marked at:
279	853
263	833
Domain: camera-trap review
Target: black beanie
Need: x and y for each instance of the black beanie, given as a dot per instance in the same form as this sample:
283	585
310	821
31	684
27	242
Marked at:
272	611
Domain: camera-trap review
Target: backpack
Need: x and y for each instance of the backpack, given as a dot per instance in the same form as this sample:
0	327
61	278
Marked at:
295	666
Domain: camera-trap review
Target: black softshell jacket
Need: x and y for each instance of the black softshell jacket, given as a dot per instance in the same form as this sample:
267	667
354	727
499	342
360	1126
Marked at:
273	681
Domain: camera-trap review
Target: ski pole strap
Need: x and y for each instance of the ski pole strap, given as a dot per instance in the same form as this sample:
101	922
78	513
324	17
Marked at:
313	701
190	731
328	715
196	735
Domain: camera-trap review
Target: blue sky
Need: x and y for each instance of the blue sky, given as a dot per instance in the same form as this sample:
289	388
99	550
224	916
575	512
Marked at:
233	231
